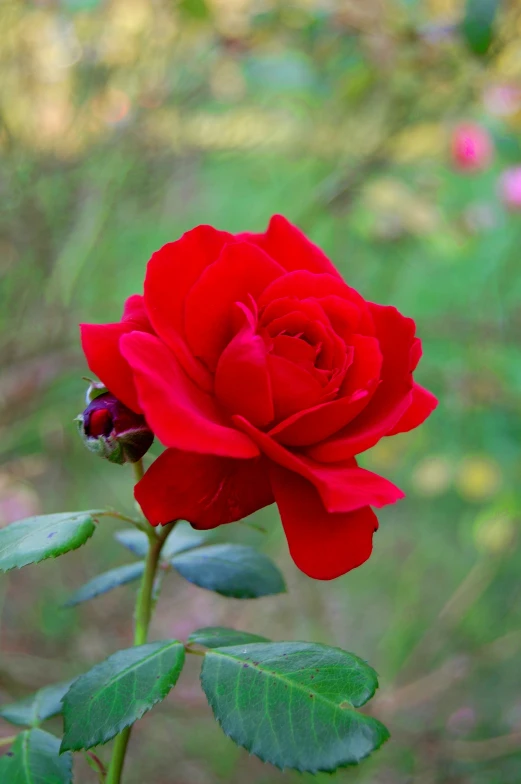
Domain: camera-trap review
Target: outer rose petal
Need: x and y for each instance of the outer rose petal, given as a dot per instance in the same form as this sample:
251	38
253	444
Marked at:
171	273
422	406
179	413
323	545
242	271
291	248
204	489
100	343
343	487
416	353
134	312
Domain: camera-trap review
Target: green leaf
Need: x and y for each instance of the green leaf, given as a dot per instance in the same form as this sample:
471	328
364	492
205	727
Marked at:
182	538
31	711
106	582
117	692
5	759
133	540
478	24
37	538
292	703
35	759
219	636
231	570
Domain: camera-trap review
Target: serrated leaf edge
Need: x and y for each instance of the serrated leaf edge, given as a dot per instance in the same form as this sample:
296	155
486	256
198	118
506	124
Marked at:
370	719
120	726
93	521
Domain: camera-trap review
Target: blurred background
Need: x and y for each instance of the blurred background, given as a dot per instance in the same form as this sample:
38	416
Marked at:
389	131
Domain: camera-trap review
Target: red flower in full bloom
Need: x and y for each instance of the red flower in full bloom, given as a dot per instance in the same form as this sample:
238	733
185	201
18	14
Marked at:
264	375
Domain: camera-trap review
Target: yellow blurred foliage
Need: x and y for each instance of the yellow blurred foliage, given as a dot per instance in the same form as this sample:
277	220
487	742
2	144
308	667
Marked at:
495	531
394	202
425	140
478	478
433	475
445	9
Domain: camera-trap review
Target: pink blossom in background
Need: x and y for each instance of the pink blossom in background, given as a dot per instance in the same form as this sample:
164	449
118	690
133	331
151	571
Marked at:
471	147
510	188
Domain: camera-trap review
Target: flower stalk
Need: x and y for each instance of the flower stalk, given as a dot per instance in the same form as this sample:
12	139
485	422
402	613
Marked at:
142	616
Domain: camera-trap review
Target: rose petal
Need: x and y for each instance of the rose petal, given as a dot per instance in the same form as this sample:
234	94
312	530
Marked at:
343	487
204	489
242	380
345	317
305	285
392	397
179	413
134	311
278	308
100	343
422	406
309	427
295	350
293	387
171	273
416	353
322	545
318	423
366	368
291	248
241	272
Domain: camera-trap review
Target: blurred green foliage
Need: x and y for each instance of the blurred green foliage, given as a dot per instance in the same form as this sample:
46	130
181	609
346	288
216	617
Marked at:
125	122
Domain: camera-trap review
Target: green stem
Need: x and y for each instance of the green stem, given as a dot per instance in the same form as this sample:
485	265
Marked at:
139	470
143	615
7	741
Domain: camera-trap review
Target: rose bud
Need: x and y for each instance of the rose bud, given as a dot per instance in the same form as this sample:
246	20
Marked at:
510	188
111	430
471	147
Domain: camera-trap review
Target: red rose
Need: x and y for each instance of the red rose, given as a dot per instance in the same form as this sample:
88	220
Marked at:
263	374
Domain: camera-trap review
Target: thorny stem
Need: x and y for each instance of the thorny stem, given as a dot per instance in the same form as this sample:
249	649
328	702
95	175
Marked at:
142	617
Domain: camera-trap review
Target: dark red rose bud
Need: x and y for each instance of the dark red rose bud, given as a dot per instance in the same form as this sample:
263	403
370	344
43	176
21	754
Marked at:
113	431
